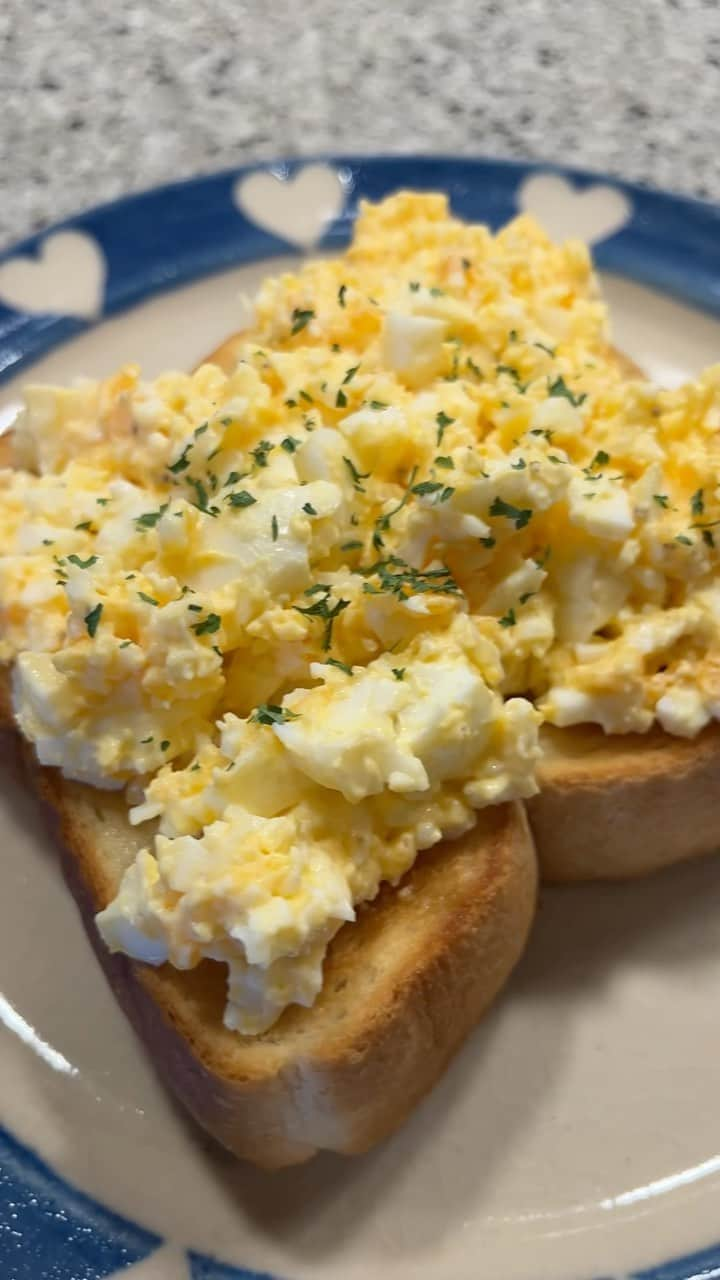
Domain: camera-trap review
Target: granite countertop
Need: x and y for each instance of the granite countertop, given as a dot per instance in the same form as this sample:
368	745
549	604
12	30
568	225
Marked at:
98	101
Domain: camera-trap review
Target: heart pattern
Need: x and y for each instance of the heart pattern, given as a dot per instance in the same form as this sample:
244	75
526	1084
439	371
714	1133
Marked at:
66	278
295	208
566	213
53	1227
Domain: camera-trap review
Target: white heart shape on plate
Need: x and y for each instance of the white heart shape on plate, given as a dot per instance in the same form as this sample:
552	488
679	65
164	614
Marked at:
298	209
566	213
67	278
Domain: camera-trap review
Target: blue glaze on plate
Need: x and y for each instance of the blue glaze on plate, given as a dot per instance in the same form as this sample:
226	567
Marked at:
50	1231
180	232
173	235
203	1268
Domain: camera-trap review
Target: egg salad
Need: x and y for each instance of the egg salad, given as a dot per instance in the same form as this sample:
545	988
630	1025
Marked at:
310	614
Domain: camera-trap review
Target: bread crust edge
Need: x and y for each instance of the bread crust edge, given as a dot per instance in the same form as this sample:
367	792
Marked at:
621	808
276	1105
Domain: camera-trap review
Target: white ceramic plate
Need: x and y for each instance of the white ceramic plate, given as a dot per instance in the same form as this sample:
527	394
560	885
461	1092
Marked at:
577	1135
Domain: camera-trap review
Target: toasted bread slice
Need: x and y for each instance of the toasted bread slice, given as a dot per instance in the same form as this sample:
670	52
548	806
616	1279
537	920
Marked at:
615	808
403	986
612	807
227	354
618	807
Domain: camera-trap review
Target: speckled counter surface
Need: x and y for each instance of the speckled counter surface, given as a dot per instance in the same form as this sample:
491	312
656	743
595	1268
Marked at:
98	99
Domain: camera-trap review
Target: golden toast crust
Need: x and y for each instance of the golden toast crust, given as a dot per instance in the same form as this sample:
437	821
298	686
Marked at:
404	986
615	808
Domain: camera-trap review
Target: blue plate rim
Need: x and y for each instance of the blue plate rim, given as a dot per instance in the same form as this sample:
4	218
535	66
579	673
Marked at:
632	250
291	163
30	337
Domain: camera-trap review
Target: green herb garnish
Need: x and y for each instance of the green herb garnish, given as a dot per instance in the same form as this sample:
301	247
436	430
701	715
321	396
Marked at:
150	518
512	373
269	713
82	564
261	451
558	387
426	487
396	577
322	608
241	498
382	522
181	463
341	666
300	318
356	475
442	421
208	626
92	620
521	516
201	497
